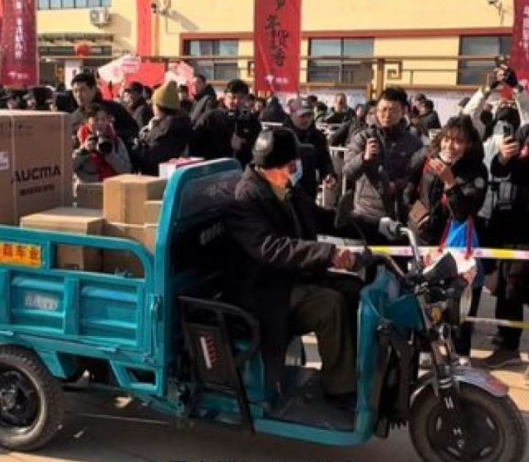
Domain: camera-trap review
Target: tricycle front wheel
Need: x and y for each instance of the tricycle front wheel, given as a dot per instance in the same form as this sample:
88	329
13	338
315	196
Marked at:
495	428
31	408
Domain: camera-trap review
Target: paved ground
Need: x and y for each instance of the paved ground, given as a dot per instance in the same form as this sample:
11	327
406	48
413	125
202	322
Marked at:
100	429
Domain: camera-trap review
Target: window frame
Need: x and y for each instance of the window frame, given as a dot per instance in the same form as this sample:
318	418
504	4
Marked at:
221	70
475	72
338	67
56	5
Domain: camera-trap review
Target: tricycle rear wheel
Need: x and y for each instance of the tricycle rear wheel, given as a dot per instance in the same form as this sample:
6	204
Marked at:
31	408
496	430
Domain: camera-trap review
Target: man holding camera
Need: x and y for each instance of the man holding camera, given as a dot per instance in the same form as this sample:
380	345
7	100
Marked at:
102	154
230	131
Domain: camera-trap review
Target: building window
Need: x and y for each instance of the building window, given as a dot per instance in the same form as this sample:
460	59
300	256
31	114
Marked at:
475	72
67	4
69	51
214	69
330	70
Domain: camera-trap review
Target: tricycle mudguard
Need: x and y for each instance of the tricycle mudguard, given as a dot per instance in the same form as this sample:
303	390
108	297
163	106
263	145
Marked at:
470	376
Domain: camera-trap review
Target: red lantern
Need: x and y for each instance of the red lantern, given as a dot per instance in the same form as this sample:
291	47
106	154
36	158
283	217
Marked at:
82	50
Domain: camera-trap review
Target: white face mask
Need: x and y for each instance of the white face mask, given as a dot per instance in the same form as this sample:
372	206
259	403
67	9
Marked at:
298	174
446	160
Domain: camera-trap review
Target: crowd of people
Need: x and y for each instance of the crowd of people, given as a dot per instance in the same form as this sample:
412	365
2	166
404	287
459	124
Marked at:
400	161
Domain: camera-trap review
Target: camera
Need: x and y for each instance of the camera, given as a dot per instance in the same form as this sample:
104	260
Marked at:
103	144
371	132
242	121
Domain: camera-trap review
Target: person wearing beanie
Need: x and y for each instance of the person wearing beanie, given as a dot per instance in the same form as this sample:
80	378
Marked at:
167	135
278	268
228	131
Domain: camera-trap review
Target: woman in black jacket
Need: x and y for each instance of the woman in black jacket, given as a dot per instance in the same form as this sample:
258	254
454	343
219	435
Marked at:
451	184
451	181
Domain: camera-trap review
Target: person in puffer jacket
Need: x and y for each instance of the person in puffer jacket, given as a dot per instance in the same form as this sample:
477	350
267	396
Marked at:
378	164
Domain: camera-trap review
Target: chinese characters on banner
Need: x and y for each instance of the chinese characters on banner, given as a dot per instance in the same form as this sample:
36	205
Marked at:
520	41
277	44
19	44
144	18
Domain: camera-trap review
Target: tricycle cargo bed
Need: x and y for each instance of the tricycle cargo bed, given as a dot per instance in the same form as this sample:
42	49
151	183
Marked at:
64	315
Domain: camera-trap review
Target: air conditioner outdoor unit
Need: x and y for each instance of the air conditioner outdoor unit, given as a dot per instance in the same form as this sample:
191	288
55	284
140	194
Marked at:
99	16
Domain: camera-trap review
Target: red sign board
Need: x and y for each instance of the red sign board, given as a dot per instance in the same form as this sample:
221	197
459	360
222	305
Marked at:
144	32
520	41
19	43
277	44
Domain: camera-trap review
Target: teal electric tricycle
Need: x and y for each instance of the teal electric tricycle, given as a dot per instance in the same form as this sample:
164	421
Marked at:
170	340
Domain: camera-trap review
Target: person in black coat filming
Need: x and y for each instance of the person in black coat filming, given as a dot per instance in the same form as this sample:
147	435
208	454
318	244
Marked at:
508	229
279	270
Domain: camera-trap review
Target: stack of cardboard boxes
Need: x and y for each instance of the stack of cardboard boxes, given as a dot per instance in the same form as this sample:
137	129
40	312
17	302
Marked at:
131	207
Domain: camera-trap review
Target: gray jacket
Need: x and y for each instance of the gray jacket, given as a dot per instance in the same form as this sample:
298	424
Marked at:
379	184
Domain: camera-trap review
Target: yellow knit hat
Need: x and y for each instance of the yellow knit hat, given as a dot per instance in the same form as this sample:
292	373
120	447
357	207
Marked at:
167	96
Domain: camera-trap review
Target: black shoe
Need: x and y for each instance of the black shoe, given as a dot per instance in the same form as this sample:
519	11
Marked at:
501	358
342	401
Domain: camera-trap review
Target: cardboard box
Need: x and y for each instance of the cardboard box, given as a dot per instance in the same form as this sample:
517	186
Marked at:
70	220
90	196
150	236
124	196
118	262
167	169
35	163
152	211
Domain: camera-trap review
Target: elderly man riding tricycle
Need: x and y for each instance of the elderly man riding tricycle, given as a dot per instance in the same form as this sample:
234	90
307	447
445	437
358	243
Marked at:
173	339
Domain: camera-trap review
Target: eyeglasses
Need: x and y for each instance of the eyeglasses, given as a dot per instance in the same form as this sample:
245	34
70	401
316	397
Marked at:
389	110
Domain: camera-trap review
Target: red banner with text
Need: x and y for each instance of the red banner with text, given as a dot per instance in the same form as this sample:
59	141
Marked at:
20	65
144	33
277	45
520	41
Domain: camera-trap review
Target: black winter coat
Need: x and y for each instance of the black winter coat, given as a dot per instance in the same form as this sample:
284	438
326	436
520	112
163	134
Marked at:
142	113
344	135
321	165
204	102
214	130
340	117
167	139
271	254
430	121
460	203
508	229
273	113
399	151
